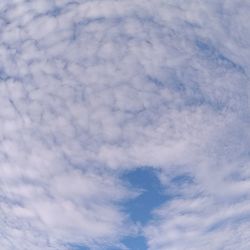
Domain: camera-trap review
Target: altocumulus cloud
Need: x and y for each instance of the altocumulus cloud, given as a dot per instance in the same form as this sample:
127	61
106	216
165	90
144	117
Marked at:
90	89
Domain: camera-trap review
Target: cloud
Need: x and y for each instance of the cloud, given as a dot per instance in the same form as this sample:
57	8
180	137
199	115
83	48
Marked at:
90	89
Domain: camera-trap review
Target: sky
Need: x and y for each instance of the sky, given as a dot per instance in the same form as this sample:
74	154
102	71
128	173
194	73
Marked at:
124	125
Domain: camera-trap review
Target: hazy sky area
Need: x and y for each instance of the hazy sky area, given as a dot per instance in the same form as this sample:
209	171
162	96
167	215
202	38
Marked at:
124	125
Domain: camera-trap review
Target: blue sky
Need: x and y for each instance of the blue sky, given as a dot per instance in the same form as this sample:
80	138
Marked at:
124	125
151	194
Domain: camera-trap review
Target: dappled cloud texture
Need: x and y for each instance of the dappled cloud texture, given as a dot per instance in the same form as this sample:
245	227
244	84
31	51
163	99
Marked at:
90	89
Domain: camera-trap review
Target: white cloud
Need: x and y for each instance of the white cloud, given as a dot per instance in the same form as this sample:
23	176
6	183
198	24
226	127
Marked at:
91	88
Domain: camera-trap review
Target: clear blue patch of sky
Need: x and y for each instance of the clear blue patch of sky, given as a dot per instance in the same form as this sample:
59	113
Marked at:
152	196
135	243
139	209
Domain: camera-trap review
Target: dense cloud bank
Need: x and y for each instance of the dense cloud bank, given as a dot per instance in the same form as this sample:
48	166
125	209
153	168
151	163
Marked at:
90	89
